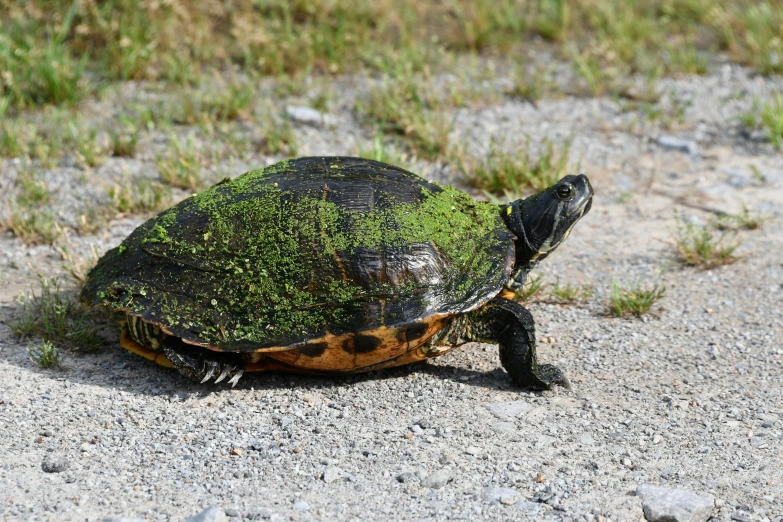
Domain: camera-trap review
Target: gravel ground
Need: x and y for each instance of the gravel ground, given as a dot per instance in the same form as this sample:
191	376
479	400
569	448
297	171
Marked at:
687	397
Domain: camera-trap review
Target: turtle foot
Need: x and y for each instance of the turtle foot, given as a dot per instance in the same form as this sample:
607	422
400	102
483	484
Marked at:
203	367
546	376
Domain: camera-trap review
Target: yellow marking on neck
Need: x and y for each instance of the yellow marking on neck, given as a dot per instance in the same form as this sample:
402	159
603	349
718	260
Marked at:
509	210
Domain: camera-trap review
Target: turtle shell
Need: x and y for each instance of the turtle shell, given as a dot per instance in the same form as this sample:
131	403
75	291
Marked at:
305	253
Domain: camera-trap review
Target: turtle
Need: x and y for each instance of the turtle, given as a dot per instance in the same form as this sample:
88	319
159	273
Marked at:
330	266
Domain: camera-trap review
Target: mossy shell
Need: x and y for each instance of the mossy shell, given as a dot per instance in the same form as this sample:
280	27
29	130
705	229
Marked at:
308	253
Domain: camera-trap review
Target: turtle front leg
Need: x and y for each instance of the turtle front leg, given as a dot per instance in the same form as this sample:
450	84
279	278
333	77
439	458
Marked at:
202	365
511	326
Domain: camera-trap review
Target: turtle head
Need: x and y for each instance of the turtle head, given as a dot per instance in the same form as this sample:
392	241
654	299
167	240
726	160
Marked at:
544	220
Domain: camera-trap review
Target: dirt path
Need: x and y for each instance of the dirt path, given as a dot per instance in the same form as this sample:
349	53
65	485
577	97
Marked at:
689	396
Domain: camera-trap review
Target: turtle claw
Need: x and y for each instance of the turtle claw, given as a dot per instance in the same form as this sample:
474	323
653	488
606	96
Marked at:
210	367
223	373
202	366
235	379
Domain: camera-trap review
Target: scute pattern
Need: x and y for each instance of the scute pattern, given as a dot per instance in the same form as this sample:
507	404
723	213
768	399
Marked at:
284	256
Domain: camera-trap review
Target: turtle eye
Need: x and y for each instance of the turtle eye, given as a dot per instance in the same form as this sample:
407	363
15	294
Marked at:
565	191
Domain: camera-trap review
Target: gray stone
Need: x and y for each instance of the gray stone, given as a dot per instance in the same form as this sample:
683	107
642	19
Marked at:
406	477
231	512
303	114
301	506
122	519
662	504
53	464
505	496
211	514
437	480
509	410
670	142
473	450
333	474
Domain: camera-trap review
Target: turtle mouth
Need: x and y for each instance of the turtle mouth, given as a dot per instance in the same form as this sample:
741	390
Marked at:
583	208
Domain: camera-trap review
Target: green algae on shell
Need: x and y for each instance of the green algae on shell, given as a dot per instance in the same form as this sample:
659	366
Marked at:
284	254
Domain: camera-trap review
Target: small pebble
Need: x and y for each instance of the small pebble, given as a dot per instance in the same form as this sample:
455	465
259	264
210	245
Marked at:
506	496
53	464
406	477
307	115
671	142
437	479
661	504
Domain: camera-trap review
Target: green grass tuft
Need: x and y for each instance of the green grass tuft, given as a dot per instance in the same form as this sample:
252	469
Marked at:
123	140
530	85
277	136
698	246
410	107
744	220
182	165
37	67
381	151
767	117
140	195
530	289
508	173
772	120
635	301
45	355
56	317
87	150
570	294
28	214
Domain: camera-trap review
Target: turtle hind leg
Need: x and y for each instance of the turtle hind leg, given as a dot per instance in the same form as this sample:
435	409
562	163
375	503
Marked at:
511	326
202	365
194	362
